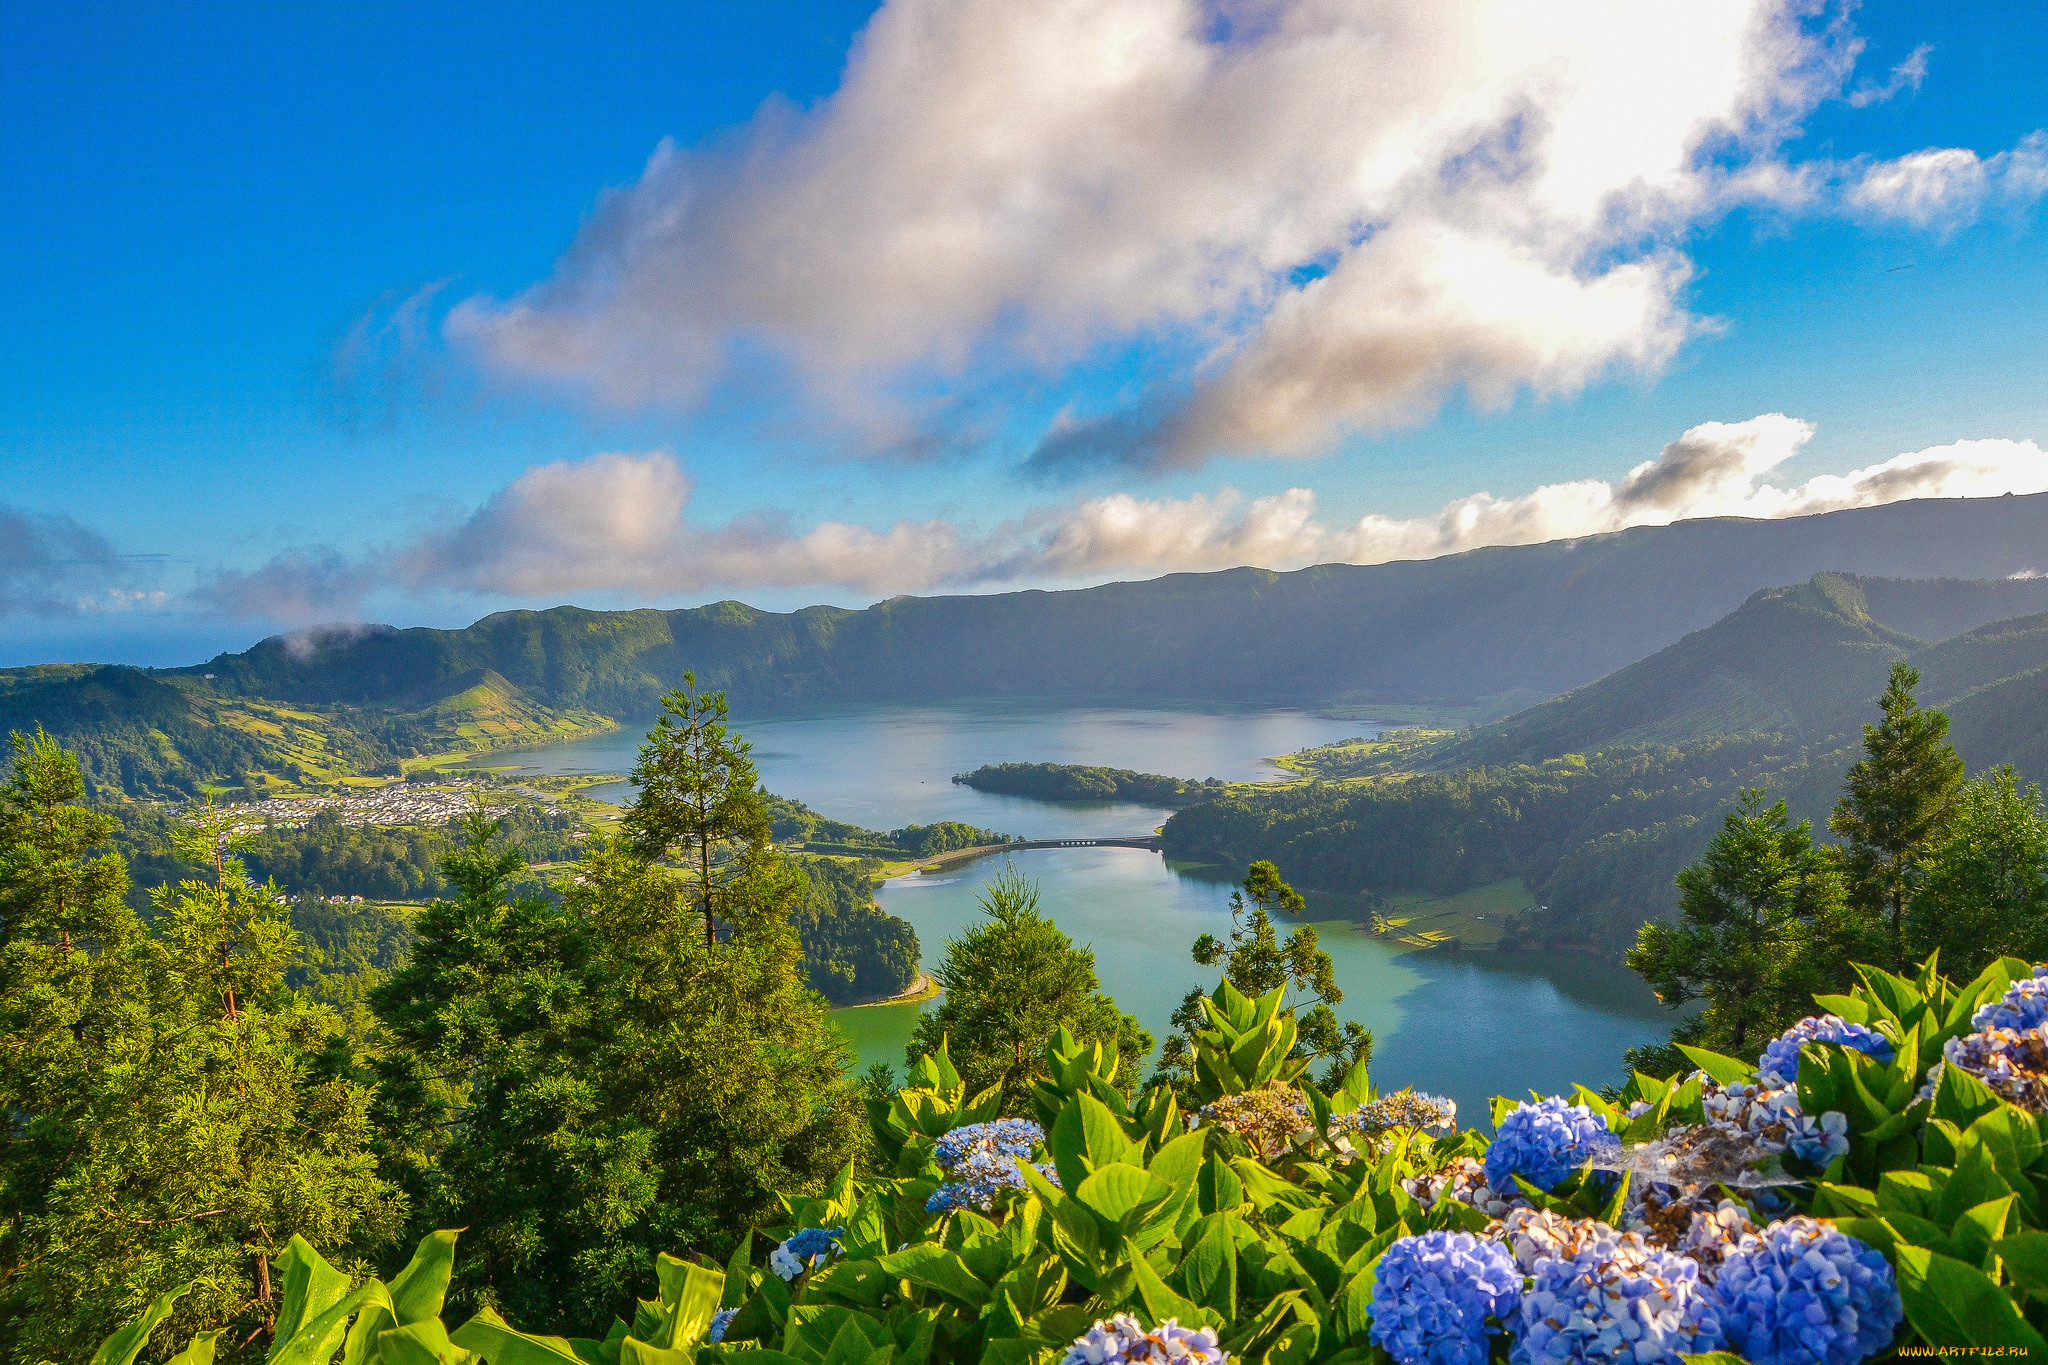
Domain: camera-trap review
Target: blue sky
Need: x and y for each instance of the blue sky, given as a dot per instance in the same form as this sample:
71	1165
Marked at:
324	314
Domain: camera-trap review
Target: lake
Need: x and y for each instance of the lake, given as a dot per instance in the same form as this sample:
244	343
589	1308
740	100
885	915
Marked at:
1468	1025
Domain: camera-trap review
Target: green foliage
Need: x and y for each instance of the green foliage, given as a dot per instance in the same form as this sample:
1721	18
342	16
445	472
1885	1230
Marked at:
792	822
1763	925
1008	982
1983	889
1255	963
587	1082
700	802
853	949
168	1121
1895	801
1078	782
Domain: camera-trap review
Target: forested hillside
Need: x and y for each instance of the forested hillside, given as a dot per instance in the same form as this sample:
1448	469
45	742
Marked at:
1525	621
1597	798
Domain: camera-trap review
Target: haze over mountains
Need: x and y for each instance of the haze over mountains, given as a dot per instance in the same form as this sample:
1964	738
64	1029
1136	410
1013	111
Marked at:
1521	622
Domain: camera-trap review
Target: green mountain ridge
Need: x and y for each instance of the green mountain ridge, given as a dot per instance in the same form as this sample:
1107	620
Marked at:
1534	619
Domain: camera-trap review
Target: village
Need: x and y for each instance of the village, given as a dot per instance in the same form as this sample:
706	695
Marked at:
401	803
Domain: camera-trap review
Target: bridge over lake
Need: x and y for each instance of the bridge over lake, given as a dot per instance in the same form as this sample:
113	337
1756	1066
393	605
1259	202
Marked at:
1145	841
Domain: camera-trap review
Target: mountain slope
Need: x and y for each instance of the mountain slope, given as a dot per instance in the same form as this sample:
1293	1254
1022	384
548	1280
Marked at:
1527	620
1804	662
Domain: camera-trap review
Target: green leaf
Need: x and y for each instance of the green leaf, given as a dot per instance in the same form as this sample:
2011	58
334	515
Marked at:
1953	1304
691	1293
423	1343
1160	1301
2025	1255
1208	1265
1962	1099
123	1346
311	1286
315	1342
361	1347
633	1351
1711	1358
419	1290
1726	1070
857	1284
935	1268
489	1336
1852	1008
199	1351
1975	1181
1975	1232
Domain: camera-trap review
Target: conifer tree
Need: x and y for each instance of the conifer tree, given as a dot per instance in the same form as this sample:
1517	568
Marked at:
588	1082
1984	889
165	1120
1007	983
1895	800
700	800
1763	924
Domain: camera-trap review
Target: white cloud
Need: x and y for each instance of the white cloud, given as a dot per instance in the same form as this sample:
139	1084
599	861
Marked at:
1486	192
1949	186
618	525
53	566
1906	77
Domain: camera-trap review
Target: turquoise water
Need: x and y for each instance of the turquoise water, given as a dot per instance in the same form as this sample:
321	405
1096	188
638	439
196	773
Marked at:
1469	1026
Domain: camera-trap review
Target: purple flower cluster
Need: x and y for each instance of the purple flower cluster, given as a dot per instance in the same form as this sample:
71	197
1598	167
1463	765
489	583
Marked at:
1439	1296
1802	1293
803	1251
1402	1109
2013	1062
1546	1141
1122	1340
1616	1298
1779	1066
980	1161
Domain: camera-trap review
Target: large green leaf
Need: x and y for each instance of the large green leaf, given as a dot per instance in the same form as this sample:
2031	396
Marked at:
2025	1255
1726	1070
422	1343
311	1286
691	1294
419	1290
123	1346
933	1267
198	1351
1953	1304
315	1342
491	1337
1208	1265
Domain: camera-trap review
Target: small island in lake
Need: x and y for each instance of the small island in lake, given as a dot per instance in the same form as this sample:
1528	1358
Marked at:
1078	782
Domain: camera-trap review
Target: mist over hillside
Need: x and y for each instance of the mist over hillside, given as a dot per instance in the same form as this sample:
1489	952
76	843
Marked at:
1513	624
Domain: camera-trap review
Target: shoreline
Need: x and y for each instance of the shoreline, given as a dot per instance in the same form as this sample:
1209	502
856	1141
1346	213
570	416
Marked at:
921	988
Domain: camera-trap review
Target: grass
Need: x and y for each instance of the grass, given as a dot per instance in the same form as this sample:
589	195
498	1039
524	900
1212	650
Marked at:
1471	917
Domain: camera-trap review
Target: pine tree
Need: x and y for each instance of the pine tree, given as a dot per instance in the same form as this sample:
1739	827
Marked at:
166	1120
1984	889
586	1083
1007	983
1763	924
1893	806
700	800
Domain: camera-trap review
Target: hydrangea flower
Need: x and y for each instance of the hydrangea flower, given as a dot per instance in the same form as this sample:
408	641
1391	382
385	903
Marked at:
1122	1341
1270	1118
720	1320
2012	1062
980	1161
1769	1120
1546	1141
1615	1299
1802	1293
1464	1180
1779	1066
1434	1295
1005	1137
2023	1006
803	1251
1402	1109
1714	1236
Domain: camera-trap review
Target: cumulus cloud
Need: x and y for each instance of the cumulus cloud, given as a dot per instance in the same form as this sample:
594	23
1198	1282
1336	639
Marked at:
1949	186
52	566
619	524
1336	212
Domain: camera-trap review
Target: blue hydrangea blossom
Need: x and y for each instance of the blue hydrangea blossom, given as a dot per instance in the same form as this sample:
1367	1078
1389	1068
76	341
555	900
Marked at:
1803	1293
1545	1142
980	1161
720	1320
1611	1297
804	1251
1779	1066
2023	1006
1122	1340
1434	1295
